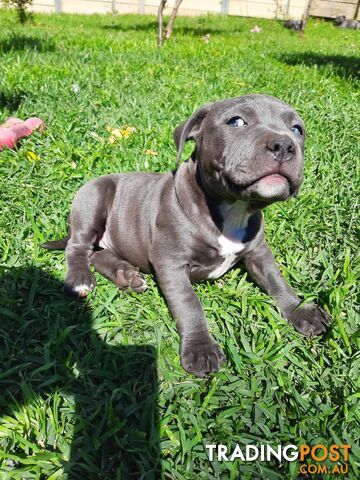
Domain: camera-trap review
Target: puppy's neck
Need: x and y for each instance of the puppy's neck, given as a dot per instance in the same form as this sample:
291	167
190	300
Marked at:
236	220
235	217
230	217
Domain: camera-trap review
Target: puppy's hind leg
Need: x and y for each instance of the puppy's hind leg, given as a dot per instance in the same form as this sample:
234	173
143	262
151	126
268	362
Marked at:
79	279
87	222
119	271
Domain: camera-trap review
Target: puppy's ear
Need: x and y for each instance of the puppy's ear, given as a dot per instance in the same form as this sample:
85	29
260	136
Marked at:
189	129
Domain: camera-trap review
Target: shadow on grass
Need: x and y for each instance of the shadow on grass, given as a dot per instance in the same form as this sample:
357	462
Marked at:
341	65
24	42
48	346
152	26
11	101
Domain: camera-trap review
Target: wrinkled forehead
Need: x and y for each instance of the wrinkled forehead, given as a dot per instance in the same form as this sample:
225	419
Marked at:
260	108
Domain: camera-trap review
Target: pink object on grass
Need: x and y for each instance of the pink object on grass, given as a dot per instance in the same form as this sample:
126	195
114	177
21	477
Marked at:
8	138
14	129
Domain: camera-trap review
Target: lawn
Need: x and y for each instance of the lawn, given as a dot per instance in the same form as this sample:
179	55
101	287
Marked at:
94	389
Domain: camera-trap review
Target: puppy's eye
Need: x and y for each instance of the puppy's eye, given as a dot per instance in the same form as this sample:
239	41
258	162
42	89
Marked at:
297	130
236	122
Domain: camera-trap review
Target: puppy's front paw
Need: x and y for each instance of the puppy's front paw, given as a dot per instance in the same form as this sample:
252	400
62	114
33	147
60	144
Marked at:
201	356
310	320
79	283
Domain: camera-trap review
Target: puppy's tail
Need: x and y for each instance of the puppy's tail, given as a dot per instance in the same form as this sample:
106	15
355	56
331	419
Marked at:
56	244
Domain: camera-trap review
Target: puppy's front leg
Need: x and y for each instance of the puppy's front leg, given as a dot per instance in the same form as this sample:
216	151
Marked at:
310	319
199	352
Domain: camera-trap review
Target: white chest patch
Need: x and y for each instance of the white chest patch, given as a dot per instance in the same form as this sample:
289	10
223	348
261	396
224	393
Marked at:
230	243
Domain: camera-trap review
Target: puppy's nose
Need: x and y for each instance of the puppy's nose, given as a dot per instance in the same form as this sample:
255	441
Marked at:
282	148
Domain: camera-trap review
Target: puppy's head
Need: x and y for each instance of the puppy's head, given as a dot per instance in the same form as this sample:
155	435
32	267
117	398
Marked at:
247	148
339	19
293	24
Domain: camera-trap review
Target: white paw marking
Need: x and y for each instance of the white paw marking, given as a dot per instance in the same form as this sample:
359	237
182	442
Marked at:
83	288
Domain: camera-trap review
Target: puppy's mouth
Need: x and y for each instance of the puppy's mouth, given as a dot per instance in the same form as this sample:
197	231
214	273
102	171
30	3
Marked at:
268	187
272	179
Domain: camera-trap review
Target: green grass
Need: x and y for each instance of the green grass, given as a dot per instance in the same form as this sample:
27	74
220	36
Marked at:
99	382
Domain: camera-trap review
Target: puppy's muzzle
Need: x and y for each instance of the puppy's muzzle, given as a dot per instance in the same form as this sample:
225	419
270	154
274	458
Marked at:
282	148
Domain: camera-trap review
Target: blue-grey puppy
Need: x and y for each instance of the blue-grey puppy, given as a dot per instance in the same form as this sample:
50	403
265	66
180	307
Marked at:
341	22
197	222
